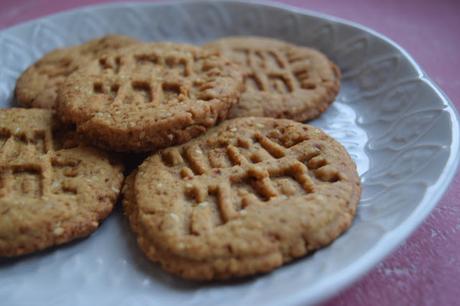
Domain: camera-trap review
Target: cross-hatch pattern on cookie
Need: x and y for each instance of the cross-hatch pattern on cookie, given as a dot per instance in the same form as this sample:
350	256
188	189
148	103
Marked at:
250	189
150	96
257	169
38	86
142	87
274	71
282	80
24	160
21	179
53	187
64	178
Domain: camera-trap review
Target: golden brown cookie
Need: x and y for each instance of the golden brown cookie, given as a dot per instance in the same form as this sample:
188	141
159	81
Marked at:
244	198
281	80
38	85
51	191
150	96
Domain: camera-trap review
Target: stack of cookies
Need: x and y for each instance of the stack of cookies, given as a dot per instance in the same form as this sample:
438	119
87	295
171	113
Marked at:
233	183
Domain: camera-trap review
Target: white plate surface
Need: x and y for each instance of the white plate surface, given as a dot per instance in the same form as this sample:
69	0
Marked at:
397	125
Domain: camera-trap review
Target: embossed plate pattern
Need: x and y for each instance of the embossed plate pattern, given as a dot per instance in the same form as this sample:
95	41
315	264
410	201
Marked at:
397	125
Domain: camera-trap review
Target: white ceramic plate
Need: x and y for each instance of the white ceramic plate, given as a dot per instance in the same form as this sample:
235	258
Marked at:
398	126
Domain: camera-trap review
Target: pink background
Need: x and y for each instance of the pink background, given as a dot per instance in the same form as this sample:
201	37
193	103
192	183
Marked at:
426	269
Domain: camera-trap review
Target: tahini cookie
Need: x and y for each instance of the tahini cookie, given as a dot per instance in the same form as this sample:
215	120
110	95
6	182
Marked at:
150	96
52	190
244	198
38	85
281	80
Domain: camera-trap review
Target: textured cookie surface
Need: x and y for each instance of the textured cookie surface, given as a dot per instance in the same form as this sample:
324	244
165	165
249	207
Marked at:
150	96
51	190
246	197
281	80
38	85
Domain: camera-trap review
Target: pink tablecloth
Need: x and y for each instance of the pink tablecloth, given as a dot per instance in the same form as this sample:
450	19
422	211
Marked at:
426	269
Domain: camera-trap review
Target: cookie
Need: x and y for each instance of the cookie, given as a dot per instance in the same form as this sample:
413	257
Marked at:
52	190
150	96
245	198
281	80
38	85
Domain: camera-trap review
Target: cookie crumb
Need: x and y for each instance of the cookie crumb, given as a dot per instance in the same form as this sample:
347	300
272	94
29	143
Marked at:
58	231
203	204
174	217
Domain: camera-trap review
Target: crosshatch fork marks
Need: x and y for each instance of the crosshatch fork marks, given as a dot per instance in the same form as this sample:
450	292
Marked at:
256	184
243	151
229	198
21	181
211	200
276	72
65	173
141	91
20	142
28	182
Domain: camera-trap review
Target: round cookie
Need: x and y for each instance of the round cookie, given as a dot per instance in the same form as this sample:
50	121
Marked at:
52	190
38	85
245	198
281	80
150	96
